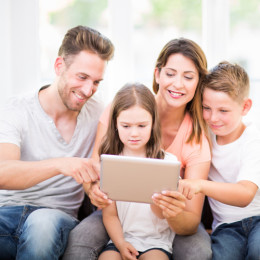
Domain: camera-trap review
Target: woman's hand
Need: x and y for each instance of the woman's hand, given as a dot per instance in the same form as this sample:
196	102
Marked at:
171	203
97	197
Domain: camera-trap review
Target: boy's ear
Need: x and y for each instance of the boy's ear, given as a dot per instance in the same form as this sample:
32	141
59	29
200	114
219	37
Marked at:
246	106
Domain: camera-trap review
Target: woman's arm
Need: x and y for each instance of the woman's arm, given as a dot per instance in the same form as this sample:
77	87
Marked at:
183	215
236	194
97	197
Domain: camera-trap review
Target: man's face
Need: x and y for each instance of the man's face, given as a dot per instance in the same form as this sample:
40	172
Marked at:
79	79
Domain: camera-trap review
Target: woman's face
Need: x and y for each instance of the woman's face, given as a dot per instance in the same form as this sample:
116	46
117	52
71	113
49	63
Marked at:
177	80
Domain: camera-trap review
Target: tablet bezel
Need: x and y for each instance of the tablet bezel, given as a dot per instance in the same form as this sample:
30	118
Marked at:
136	179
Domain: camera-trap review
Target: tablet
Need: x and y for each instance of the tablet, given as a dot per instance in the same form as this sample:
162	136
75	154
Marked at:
136	179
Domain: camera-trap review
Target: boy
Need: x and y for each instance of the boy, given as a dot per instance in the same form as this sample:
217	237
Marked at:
234	176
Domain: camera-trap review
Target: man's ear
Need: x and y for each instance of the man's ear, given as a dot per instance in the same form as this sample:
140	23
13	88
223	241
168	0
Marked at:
59	65
246	106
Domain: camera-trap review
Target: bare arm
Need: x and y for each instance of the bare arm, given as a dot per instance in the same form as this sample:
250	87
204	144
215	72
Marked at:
115	232
17	174
97	197
236	194
183	215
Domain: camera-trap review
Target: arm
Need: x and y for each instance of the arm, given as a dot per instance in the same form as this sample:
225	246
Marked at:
238	194
183	215
115	232
97	197
17	174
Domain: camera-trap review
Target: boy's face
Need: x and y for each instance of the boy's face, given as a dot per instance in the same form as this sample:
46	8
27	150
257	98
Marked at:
79	81
223	115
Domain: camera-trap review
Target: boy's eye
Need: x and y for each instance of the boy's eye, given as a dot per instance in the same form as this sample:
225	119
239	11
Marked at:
125	126
223	111
82	77
205	108
142	125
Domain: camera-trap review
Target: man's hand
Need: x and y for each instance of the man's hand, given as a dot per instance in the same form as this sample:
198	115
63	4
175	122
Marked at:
81	169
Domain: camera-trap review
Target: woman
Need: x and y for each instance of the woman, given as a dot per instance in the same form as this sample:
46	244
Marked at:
179	70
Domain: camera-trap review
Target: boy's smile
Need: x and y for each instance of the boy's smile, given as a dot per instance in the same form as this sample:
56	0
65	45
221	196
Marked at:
223	115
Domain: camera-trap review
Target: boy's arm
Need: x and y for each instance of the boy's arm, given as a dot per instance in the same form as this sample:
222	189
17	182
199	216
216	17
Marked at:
238	194
115	232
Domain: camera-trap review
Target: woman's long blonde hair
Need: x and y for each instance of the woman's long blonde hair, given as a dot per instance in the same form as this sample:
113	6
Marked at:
191	50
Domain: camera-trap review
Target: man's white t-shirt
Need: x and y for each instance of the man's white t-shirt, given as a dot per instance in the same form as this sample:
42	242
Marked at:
24	123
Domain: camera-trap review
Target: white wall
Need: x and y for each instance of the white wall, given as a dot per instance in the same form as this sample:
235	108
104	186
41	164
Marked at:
19	63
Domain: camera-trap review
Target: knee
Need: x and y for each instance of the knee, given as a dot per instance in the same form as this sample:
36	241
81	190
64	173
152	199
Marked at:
47	230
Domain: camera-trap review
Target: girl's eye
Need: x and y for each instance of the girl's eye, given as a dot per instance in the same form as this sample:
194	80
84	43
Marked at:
125	126
188	78
223	111
142	125
205	108
169	74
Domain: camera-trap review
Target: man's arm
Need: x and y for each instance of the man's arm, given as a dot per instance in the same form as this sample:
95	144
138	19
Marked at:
17	174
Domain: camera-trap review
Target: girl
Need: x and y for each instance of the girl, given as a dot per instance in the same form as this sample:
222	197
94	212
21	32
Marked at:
179	70
137	230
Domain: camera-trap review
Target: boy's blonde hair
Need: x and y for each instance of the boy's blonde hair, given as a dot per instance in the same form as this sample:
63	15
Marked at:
229	78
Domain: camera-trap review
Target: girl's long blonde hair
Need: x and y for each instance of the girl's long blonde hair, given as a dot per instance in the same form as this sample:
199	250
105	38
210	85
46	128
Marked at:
128	96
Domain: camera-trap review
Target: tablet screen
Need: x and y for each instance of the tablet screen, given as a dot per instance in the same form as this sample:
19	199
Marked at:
136	179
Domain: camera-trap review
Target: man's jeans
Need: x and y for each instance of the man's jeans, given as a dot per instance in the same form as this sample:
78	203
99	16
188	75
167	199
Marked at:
28	232
88	238
237	240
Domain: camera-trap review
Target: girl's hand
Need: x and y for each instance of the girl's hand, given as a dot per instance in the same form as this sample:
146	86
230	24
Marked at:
189	187
127	251
171	203
97	197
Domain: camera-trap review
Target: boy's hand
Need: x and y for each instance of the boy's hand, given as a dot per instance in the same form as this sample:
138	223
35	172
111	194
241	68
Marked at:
189	187
127	251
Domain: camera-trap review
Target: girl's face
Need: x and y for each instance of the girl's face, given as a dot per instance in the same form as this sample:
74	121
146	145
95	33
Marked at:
223	115
177	80
134	128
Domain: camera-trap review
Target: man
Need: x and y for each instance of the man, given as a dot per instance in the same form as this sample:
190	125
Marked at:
45	139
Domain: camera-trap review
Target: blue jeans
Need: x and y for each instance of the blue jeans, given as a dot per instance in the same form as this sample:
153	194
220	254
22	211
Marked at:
88	238
237	240
28	232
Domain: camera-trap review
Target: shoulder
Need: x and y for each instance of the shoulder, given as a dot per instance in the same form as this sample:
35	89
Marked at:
18	105
94	106
170	157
